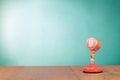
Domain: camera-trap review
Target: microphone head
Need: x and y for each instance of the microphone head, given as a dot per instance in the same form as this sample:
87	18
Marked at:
93	44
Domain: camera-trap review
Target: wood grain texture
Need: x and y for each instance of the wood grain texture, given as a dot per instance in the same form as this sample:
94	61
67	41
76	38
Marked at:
56	73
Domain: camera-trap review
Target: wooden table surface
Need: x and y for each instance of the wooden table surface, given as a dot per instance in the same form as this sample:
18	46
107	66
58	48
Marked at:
56	73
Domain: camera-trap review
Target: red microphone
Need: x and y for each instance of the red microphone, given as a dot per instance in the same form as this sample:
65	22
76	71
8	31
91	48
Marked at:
94	45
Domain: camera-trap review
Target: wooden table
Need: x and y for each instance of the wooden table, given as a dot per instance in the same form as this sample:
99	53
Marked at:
56	73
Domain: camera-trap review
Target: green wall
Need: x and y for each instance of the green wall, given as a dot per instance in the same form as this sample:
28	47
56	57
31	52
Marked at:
54	32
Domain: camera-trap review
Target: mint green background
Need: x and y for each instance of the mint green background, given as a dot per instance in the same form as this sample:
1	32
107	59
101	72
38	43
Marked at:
54	32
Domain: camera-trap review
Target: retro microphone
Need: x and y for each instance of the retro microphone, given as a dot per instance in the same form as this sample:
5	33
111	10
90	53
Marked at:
94	45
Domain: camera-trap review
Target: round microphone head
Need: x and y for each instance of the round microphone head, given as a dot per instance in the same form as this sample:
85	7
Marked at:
93	44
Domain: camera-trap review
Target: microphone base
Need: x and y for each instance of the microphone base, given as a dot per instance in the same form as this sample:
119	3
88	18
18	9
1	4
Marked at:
92	69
